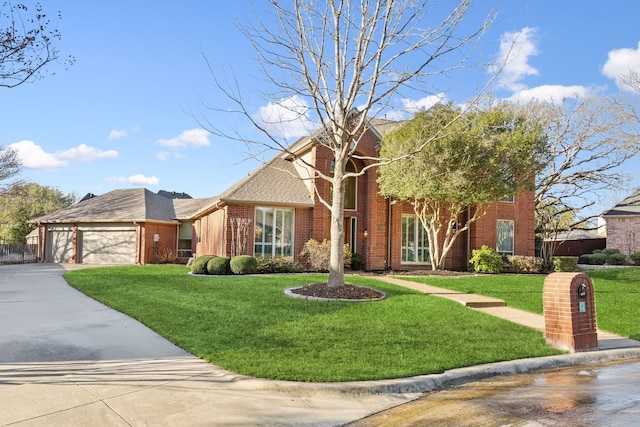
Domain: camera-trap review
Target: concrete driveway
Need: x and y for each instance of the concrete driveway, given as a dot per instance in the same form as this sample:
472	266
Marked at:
66	359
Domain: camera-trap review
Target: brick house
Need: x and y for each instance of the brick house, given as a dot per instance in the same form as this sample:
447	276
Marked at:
623	225
280	210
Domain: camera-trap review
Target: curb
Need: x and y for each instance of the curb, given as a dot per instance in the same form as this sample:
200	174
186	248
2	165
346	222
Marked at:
453	378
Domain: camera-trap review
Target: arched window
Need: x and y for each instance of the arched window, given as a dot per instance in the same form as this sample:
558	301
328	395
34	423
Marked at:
351	186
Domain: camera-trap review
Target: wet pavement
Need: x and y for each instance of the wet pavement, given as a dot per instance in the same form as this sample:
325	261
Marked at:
589	395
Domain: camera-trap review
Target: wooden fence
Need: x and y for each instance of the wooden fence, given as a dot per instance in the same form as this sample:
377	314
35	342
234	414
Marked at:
18	254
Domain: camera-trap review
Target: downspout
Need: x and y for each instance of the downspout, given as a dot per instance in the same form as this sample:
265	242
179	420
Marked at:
468	237
388	261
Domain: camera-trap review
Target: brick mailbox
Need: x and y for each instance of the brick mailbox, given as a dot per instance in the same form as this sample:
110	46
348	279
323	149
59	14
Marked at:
570	312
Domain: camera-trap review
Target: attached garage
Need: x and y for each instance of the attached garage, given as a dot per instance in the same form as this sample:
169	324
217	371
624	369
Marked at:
107	245
132	226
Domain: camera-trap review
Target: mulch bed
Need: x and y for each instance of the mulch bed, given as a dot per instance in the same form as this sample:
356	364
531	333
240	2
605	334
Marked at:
323	290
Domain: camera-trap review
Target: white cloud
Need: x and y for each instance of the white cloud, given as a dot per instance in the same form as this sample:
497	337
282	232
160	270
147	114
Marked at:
137	179
34	157
193	138
550	93
163	155
620	63
515	50
85	154
117	134
413	106
287	118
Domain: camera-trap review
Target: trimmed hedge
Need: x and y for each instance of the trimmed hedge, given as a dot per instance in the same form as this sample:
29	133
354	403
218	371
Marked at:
635	257
279	265
243	264
565	263
525	264
218	266
616	259
199	265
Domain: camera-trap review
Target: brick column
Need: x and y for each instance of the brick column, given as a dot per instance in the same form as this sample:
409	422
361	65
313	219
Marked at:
570	312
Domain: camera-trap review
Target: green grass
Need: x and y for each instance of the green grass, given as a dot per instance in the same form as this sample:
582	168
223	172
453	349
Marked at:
617	294
247	325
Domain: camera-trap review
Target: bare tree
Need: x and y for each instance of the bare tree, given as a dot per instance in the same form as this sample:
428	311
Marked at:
27	43
589	139
343	61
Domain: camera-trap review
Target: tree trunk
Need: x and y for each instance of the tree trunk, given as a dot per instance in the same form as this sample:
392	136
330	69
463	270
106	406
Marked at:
336	260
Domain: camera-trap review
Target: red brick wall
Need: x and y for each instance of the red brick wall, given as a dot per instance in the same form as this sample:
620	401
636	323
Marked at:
623	233
168	241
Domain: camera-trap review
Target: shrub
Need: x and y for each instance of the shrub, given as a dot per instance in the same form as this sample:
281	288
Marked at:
597	259
279	265
564	263
165	254
525	264
609	251
243	264
616	258
486	260
317	254
584	259
199	265
635	257
218	265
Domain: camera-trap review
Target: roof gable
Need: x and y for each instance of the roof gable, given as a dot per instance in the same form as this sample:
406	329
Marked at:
628	207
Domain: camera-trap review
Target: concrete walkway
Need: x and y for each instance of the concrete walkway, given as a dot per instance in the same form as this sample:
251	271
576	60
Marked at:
67	360
498	308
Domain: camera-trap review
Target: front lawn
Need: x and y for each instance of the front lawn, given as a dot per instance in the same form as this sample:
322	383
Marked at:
247	325
617	294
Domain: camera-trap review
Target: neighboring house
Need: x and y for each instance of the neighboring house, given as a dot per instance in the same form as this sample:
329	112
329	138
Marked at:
623	225
275	210
579	242
120	227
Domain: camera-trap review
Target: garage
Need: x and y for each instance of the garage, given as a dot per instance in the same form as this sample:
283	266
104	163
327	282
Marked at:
59	244
107	245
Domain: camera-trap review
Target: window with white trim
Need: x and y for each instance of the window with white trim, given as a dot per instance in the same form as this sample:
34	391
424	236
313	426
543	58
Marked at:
414	244
505	237
273	236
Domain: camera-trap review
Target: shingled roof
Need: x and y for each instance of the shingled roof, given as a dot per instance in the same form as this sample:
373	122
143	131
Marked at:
628	207
138	204
276	182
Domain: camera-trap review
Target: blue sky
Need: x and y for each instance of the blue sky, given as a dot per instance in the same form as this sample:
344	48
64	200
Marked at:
124	115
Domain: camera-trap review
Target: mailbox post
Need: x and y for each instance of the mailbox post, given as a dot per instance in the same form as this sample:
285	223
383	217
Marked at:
570	312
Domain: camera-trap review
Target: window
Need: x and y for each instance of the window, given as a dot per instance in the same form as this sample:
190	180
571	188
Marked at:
350	229
414	245
505	237
351	186
273	232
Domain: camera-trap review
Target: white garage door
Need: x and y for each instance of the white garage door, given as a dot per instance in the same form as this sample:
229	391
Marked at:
59	245
108	246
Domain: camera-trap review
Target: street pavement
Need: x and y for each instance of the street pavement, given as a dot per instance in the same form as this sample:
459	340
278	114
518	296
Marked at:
66	359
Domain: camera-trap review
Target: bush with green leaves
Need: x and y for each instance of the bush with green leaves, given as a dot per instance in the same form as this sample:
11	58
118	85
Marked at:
199	265
525	264
279	265
616	259
597	259
635	257
565	264
219	265
243	264
316	254
609	251
486	260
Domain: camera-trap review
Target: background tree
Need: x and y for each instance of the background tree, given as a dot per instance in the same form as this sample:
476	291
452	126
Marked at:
340	62
484	157
9	167
588	140
27	43
24	202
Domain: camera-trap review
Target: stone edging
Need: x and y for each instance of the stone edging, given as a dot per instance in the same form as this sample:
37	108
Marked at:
289	292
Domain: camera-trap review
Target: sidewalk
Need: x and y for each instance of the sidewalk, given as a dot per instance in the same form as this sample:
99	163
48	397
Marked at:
498	308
